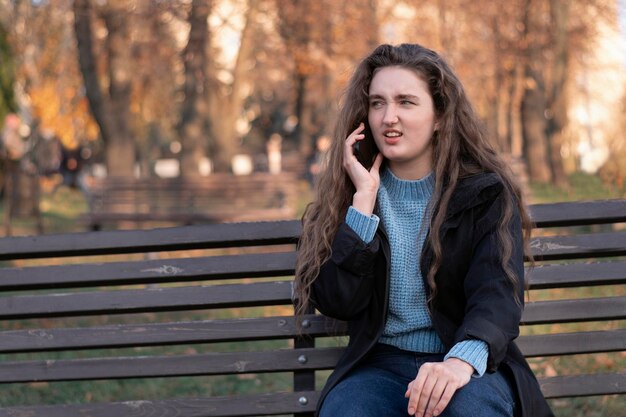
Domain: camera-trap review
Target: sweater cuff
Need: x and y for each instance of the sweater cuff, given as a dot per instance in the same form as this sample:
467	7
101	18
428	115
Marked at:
475	352
364	226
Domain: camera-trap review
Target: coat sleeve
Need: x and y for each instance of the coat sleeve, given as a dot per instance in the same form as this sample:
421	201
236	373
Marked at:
344	285
494	304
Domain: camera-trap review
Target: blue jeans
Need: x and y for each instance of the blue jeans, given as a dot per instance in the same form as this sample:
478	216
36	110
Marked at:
376	388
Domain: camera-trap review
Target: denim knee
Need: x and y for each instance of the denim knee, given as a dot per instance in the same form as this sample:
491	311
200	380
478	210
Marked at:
489	396
368	391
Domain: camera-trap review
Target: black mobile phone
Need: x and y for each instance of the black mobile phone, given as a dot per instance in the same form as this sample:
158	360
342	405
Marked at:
365	149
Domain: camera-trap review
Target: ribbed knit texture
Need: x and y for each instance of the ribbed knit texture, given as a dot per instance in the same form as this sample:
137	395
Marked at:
402	206
364	226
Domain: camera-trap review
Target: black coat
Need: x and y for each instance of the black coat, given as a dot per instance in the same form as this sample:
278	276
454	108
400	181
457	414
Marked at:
474	299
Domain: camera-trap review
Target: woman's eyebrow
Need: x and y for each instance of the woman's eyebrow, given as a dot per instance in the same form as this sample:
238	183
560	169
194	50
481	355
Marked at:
397	97
407	97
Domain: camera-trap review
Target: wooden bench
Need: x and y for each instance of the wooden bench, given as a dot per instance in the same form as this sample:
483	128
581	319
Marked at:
206	302
216	198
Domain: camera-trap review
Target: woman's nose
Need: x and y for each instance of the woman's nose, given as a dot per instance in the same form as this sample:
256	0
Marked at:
391	116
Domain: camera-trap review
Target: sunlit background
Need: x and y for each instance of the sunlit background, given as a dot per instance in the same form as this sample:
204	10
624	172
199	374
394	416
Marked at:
141	89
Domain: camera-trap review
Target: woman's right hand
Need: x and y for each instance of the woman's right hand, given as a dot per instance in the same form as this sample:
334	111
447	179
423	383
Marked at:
365	181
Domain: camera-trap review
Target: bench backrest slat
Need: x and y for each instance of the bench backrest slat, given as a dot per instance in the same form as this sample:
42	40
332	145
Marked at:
168	333
583	385
562	247
267	361
154	240
194	237
579	246
577	275
144	300
572	343
222	363
259	233
149	272
568	311
255	266
578	213
252	329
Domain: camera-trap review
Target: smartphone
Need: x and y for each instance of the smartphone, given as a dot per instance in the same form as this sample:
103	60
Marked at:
365	149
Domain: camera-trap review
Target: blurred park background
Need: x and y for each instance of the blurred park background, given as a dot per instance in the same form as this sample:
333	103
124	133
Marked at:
178	89
181	88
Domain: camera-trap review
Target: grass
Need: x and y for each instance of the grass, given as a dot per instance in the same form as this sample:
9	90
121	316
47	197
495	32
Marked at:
582	186
61	213
60	210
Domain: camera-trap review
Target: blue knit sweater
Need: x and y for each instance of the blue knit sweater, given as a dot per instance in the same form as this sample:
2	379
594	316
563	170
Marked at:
402	206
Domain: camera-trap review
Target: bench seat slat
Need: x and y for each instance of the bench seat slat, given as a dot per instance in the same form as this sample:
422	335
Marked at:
579	213
284	403
154	240
245	405
144	300
222	363
150	271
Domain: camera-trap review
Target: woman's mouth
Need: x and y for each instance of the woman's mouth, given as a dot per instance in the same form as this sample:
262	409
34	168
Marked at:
392	136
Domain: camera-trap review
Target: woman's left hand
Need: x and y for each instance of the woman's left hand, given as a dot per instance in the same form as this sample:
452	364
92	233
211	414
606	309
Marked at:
436	382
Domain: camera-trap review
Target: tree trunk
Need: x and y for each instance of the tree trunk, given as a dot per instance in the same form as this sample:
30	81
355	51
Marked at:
534	127
534	104
559	16
121	148
229	107
110	112
194	126
7	76
371	22
300	84
497	106
97	102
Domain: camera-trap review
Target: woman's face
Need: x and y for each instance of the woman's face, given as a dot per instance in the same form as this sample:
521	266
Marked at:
402	118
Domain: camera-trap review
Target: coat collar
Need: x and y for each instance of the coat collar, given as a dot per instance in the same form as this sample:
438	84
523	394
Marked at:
474	190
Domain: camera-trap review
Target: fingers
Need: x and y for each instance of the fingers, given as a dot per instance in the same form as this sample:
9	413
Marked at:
377	163
357	134
429	402
433	388
366	182
348	154
408	390
426	382
415	393
444	400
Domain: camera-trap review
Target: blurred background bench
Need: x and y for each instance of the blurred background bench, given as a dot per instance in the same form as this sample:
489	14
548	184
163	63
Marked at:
215	198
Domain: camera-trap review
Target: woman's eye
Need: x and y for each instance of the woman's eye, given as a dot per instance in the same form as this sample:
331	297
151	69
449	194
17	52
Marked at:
376	103
406	102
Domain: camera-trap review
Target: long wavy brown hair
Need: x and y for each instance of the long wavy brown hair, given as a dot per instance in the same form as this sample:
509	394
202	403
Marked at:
460	149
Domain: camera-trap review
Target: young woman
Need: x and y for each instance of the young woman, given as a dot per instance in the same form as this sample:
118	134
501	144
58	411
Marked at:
419	247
